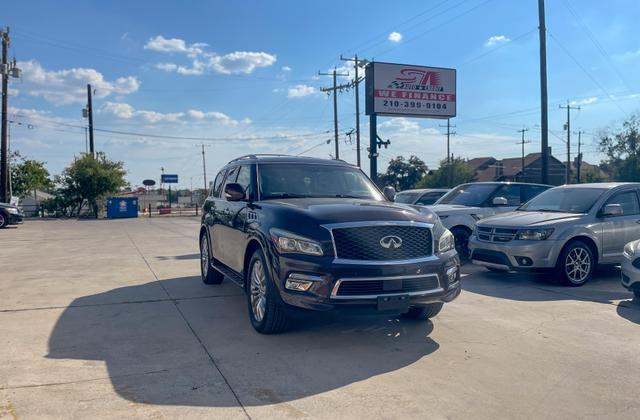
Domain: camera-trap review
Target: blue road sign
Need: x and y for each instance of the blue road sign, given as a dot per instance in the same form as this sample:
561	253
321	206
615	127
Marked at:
169	178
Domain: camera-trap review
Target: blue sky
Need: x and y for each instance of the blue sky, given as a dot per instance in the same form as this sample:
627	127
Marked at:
244	76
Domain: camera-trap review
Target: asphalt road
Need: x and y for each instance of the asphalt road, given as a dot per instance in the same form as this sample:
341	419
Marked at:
109	319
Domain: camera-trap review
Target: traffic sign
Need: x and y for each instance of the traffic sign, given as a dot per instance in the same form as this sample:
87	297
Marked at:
169	178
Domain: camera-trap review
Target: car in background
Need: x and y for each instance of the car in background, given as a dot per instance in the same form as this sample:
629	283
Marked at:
10	215
314	234
568	230
420	197
464	205
631	267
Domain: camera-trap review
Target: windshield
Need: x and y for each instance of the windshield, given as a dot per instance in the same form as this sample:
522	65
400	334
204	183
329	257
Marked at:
304	180
468	194
565	200
406	198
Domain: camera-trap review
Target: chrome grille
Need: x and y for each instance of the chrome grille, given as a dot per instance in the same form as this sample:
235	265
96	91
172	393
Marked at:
494	234
364	242
376	287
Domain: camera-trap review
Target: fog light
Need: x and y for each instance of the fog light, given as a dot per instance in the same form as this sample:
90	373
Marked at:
452	274
300	282
524	261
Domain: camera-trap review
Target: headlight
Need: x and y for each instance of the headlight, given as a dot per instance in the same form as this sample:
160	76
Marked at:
629	250
446	242
288	242
534	234
13	210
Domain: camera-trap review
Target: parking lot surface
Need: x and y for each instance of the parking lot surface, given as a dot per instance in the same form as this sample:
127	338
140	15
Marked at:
109	319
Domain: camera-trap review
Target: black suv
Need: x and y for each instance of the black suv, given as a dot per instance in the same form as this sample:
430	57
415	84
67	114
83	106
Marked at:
315	234
10	215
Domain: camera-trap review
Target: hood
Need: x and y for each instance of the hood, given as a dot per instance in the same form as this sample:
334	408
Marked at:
442	209
529	219
341	210
7	205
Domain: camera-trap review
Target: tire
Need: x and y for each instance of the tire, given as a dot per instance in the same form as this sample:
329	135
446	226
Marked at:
576	264
422	313
636	293
208	274
3	221
266	313
461	236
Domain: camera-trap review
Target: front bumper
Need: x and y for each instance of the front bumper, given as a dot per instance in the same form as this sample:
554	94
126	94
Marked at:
630	275
324	294
515	254
15	219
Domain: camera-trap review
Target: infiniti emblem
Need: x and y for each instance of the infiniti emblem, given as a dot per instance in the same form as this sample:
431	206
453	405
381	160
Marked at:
391	242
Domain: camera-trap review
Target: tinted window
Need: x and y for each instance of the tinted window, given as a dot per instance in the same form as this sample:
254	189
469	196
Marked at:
406	198
231	177
429	198
628	201
565	200
469	194
511	193
531	191
302	180
244	178
215	190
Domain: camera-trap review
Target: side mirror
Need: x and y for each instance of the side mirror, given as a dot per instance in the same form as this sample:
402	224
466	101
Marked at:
612	210
500	201
234	192
389	193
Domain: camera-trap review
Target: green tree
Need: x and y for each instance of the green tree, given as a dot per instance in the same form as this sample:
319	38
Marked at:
27	175
403	174
460	173
89	180
622	148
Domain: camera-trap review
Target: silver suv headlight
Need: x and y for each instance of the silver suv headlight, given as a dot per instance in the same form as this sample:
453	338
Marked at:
534	234
288	242
446	242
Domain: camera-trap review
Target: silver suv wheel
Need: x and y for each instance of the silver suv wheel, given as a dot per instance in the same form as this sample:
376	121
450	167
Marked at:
578	265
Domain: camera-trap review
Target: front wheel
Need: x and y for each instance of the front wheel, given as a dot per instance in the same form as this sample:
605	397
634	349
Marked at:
267	314
461	238
423	312
3	221
576	264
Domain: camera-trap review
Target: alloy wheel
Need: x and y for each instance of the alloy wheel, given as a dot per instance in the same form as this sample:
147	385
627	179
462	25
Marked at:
3	220
258	290
578	265
204	255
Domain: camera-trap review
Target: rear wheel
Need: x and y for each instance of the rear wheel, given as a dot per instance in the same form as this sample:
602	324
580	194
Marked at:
209	274
461	237
267	314
576	264
423	312
3	221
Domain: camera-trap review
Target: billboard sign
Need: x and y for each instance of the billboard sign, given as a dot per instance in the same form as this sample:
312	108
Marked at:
410	91
169	178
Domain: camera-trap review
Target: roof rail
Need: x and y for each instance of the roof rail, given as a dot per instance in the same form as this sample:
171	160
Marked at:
257	155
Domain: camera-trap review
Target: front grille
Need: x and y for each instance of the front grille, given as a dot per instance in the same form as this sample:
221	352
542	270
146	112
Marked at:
363	242
388	286
493	257
500	235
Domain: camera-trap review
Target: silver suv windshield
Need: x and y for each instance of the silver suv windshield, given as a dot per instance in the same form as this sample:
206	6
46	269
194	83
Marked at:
406	197
302	180
468	194
564	200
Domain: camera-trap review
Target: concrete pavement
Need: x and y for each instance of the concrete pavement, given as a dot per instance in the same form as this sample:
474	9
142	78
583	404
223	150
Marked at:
109	319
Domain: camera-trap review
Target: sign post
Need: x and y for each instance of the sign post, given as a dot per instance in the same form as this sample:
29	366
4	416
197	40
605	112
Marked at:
407	91
169	179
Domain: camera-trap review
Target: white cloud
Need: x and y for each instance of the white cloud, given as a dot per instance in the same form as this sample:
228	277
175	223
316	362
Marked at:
62	87
395	37
496	40
286	68
300	91
585	101
401	124
124	111
628	55
237	62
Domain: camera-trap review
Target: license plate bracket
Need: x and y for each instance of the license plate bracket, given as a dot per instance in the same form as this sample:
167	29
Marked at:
393	303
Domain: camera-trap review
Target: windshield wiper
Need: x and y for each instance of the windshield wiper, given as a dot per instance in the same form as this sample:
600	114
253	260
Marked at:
555	211
285	195
349	196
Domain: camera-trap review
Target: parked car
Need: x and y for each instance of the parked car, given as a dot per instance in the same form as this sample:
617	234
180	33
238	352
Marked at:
10	215
420	197
463	206
568	229
631	267
318	235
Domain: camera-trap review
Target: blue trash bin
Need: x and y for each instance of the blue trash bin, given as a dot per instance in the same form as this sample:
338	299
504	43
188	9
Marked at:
121	207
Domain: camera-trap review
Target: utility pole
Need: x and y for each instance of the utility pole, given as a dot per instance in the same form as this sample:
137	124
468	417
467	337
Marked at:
6	69
544	119
568	128
335	89
579	163
204	172
356	83
522	142
90	116
449	159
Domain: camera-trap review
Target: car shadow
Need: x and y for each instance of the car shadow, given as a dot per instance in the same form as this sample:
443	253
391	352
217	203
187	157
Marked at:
154	349
604	287
179	257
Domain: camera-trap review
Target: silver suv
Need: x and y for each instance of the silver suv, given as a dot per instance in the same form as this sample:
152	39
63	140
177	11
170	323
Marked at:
569	229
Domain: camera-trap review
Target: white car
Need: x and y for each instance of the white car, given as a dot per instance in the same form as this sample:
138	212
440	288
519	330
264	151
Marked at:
464	205
631	267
